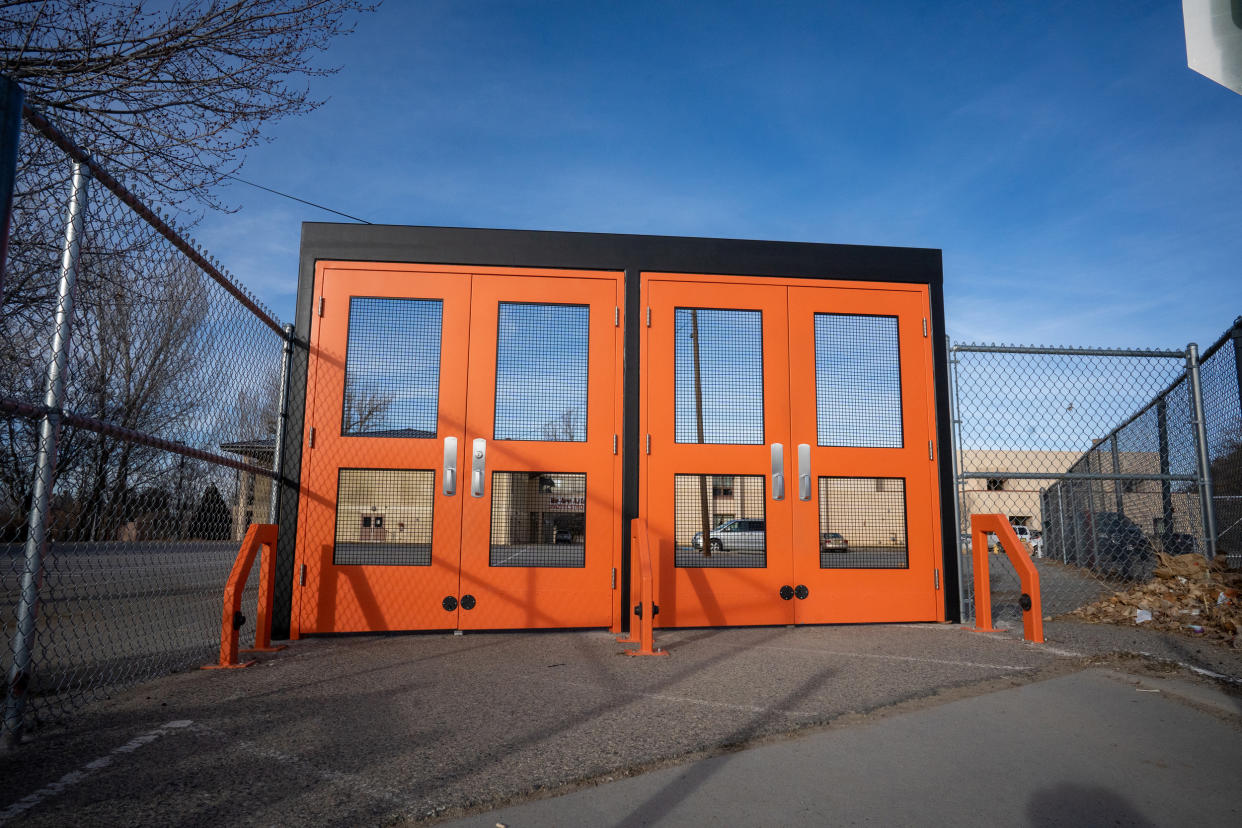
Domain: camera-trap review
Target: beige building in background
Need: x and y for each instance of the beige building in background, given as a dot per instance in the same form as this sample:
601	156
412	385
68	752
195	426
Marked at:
397	506
1016	498
868	512
1019	498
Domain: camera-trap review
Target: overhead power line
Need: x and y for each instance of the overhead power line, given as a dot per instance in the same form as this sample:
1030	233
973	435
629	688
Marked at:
300	200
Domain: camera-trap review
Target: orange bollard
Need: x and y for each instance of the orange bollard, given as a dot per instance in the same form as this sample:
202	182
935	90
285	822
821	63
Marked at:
1028	575
231	619
646	608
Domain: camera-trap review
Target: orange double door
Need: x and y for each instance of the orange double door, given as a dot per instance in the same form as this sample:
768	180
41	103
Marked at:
790	468
461	466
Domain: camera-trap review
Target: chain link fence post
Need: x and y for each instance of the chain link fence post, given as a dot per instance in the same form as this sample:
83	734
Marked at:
965	604
1201	450
49	430
279	462
1166	486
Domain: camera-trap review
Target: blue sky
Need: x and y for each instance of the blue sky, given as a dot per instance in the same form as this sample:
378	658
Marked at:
1084	184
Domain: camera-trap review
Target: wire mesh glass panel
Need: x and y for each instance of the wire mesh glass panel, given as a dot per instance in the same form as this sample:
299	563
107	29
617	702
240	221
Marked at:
384	517
719	376
862	523
392	367
732	508
857	381
541	372
538	519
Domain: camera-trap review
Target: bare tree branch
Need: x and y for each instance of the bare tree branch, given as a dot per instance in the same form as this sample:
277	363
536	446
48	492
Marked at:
171	99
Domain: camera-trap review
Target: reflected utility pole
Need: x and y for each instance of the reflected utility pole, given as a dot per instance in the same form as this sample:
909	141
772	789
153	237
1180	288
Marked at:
698	413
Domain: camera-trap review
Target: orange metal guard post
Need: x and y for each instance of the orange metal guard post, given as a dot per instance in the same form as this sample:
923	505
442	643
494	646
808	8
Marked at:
231	619
1032	609
646	607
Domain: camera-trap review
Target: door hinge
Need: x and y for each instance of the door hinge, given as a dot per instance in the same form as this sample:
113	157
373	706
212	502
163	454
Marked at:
616	316
649	444
302	575
321	306
312	437
614	577
649	316
614	444
931	450
924	326
937	571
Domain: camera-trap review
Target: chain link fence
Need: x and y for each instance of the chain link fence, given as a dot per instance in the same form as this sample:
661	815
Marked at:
141	394
1103	460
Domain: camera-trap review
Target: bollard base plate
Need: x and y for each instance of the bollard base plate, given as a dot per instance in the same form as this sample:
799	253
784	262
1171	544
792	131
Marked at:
237	666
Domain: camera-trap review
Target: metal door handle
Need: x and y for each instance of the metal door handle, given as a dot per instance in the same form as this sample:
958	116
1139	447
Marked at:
478	460
778	471
450	466
804	471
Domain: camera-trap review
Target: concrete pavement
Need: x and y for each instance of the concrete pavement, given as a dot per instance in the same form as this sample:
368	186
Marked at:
1096	747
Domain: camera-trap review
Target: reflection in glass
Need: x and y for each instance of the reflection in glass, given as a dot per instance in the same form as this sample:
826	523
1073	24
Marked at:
384	517
857	381
719	361
862	523
734	515
392	368
538	519
541	372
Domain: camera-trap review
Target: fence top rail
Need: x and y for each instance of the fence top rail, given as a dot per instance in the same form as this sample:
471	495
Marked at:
1070	475
970	347
191	250
25	409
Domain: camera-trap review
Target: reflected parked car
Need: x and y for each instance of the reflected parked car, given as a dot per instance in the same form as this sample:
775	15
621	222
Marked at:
736	536
833	542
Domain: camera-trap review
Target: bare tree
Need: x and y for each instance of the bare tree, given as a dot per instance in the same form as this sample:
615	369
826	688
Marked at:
364	410
564	428
170	98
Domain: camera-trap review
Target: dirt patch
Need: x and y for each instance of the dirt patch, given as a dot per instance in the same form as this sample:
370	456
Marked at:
1188	595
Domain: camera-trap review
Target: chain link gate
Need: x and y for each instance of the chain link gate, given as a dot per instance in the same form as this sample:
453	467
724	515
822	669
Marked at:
1101	459
141	396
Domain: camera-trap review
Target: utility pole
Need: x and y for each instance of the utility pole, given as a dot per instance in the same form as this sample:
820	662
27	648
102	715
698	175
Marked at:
698	413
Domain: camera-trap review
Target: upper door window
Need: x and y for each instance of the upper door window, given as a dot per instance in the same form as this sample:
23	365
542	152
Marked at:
541	372
719	376
857	381
392	367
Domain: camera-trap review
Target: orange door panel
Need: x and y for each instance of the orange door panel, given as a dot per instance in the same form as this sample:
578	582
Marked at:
408	363
839	376
717	383
539	517
865	536
377	535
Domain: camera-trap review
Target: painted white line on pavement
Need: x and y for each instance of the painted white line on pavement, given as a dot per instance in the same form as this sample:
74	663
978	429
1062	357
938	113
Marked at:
1212	674
352	782
74	777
